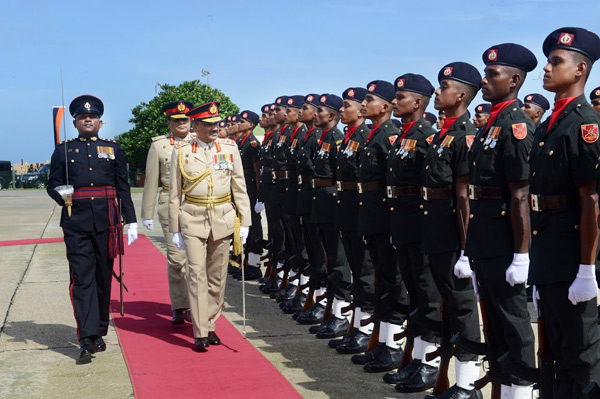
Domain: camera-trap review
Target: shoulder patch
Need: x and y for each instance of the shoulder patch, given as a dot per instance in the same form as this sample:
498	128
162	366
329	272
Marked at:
156	138
469	140
519	130
393	139
589	133
430	139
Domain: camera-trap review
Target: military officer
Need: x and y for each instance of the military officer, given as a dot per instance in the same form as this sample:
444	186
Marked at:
88	176
249	148
482	114
405	163
564	212
595	98
158	166
498	190
359	259
535	106
445	181
202	217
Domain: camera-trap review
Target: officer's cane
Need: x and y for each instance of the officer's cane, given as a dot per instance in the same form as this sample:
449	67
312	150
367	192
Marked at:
243	298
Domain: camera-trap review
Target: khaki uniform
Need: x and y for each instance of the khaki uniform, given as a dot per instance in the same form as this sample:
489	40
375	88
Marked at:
158	166
205	216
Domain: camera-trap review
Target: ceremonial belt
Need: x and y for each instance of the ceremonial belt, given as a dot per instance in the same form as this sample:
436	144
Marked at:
165	188
429	194
322	183
205	200
283	174
402	191
115	227
304	179
365	187
481	192
541	203
346	185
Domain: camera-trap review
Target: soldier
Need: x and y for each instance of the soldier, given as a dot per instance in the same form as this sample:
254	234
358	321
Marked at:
482	114
535	106
498	169
430	119
359	260
206	173
564	212
445	181
595	98
96	169
249	148
405	163
440	119
158	166
223	129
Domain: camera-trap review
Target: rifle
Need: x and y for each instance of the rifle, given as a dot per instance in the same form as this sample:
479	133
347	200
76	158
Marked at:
444	351
410	340
492	374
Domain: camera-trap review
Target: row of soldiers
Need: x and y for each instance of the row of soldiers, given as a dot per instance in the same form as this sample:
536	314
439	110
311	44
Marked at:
388	235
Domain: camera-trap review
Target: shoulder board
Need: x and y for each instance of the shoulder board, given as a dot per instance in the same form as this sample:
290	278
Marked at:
68	141
107	140
226	141
156	138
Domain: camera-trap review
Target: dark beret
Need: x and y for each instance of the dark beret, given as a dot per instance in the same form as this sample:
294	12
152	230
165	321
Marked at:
265	108
382	89
595	94
312	99
295	101
431	118
539	100
510	54
397	123
483	108
415	83
281	101
250	116
575	39
461	72
357	94
332	101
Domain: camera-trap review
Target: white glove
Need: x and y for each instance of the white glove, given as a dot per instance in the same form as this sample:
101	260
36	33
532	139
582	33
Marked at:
244	230
536	297
462	268
178	241
518	269
475	287
584	287
259	207
131	233
148	224
364	238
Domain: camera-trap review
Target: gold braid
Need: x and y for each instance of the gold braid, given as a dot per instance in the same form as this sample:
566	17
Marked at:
195	180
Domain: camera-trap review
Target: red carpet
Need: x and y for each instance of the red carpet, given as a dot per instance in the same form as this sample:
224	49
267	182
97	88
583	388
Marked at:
159	356
31	241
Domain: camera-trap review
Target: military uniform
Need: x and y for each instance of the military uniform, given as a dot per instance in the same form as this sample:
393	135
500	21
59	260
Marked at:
204	179
158	167
96	168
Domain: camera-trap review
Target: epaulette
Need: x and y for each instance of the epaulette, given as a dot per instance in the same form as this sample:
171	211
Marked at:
68	141
226	141
107	140
156	138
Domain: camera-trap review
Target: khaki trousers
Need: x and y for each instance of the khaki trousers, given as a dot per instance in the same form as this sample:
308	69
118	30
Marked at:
206	277
176	259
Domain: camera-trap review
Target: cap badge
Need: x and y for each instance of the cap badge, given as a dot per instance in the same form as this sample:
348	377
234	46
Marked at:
400	83
492	54
181	107
290	101
213	109
448	71
278	101
87	106
566	38
479	109
351	93
310	98
529	98
323	99
598	92
245	115
372	87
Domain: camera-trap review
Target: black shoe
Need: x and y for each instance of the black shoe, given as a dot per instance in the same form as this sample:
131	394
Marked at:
313	315
177	317
99	344
370	356
402	374
455	392
388	360
323	325
231	269
201	343
358	344
286	294
86	348
271	286
423	379
213	338
188	315
296	304
334	343
252	273
336	328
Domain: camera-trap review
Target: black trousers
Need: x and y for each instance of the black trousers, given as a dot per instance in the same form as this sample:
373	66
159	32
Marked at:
315	252
387	279
90	275
361	267
298	245
573	337
335	259
506	309
255	232
459	299
275	229
422	291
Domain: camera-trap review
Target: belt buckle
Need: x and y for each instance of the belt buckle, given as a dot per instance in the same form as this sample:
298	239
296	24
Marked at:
299	179
286	174
535	202
359	187
274	175
389	192
424	193
338	185
471	192
312	184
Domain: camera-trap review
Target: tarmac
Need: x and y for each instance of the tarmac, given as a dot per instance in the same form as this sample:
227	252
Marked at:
39	347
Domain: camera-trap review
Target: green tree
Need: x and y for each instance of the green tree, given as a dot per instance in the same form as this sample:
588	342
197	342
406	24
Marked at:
150	121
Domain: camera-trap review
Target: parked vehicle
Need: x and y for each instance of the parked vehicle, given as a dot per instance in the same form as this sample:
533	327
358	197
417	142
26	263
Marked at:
37	179
6	174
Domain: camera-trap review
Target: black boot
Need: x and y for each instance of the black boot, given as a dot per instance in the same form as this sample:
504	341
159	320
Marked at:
86	348
313	315
389	359
336	328
456	392
323	325
294	305
423	379
403	373
334	343
370	356
285	294
358	344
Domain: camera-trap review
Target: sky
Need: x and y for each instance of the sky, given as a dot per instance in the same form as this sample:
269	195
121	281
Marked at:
255	51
